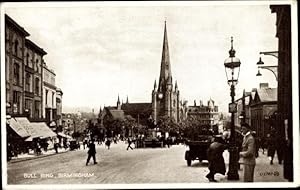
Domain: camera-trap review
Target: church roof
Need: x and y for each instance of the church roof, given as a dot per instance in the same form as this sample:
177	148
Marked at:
130	108
114	112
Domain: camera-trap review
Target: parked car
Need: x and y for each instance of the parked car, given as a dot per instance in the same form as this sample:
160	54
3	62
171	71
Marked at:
74	145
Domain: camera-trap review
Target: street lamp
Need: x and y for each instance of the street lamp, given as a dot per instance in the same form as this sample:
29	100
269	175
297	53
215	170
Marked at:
232	67
260	64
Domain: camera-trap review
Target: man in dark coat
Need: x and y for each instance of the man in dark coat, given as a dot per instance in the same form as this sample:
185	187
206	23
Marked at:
91	152
272	145
216	162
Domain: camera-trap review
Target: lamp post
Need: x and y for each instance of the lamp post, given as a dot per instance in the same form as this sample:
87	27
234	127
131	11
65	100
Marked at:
232	67
272	68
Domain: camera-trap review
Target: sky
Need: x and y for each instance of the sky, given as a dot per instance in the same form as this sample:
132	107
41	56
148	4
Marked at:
101	50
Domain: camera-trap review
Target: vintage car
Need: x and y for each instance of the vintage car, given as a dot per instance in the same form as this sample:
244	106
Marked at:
198	149
74	145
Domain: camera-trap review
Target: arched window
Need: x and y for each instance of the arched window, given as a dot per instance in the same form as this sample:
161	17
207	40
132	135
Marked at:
16	47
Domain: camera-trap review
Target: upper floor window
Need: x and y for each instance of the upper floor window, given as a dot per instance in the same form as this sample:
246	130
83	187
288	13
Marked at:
16	74
27	59
37	86
16	47
37	65
27	82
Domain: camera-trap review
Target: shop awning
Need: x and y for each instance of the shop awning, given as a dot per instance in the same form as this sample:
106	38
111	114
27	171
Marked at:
25	123
43	130
34	129
18	128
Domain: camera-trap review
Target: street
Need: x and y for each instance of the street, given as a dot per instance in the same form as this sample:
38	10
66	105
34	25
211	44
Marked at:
117	166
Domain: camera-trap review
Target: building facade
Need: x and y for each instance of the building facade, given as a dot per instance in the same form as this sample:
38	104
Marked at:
49	91
204	115
285	106
33	79
14	55
166	96
23	62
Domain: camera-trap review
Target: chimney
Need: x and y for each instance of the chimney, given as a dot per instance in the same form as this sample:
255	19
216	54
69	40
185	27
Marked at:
263	85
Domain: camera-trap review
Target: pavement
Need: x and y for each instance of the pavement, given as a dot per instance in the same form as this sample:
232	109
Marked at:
31	155
264	171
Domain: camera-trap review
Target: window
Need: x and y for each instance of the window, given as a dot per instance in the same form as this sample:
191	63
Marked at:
16	97
52	99
16	101
27	59
16	74
27	82
37	86
16	47
37	108
46	98
36	64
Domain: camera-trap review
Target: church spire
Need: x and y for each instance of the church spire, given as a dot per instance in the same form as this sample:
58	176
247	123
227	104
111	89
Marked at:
165	68
118	102
127	100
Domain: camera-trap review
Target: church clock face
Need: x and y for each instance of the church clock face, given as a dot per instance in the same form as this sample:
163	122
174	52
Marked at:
160	95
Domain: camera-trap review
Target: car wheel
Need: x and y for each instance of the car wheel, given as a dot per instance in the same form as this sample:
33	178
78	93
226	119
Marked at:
189	162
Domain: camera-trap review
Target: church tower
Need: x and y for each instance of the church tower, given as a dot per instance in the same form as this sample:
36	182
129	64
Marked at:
165	98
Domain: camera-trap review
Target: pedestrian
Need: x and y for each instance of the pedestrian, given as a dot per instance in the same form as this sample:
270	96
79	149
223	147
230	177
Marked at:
248	153
38	148
91	152
85	142
263	144
129	143
169	142
56	147
272	145
216	163
107	143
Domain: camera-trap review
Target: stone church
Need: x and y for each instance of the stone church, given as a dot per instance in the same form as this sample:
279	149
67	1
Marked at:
165	97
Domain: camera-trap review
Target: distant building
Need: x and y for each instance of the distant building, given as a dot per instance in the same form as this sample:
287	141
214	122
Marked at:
59	95
262	107
243	108
205	115
49	91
